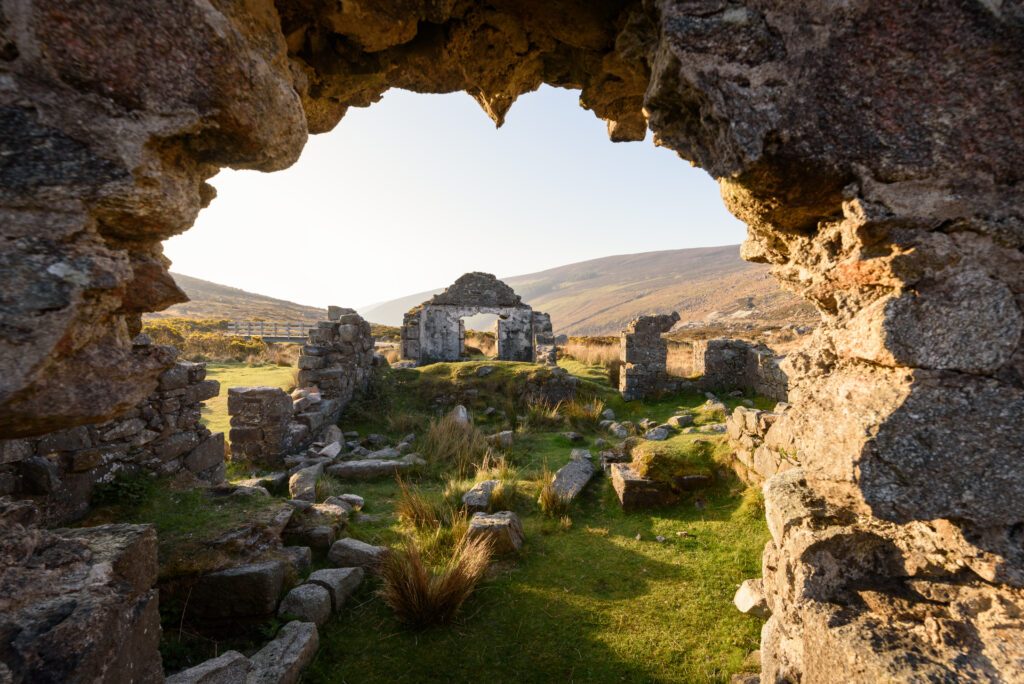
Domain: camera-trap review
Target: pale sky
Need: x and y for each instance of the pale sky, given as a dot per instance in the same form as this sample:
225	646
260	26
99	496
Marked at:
412	192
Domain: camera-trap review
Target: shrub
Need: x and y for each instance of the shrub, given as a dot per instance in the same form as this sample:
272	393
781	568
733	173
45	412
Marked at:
551	503
452	444
422	596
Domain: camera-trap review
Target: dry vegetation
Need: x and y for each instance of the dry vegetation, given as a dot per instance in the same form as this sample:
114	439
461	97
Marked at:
209	340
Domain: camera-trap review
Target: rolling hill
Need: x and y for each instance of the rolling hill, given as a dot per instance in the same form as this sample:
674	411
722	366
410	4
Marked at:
600	296
211	300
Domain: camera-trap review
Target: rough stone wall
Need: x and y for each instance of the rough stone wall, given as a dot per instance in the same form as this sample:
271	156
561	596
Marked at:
726	364
545	350
644	356
336	362
435	331
162	435
77	605
873	148
756	455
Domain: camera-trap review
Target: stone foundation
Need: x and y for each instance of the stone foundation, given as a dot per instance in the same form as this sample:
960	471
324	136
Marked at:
161	436
336	362
728	365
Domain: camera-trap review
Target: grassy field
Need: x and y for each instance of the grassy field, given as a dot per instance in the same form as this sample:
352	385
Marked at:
215	411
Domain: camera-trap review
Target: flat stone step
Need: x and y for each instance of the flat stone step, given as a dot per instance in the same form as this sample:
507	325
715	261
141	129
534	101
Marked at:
571	478
371	468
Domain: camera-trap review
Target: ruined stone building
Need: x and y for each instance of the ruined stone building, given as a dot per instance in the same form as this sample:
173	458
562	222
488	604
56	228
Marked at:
874	149
435	331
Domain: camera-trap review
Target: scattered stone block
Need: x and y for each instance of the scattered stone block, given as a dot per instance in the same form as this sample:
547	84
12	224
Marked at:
502	439
504	531
571	478
460	414
231	667
332	450
478	499
368	469
618	430
308	603
352	553
284	658
749	598
608	414
244	591
339	583
353	500
680	421
658	434
300	558
636	492
302	485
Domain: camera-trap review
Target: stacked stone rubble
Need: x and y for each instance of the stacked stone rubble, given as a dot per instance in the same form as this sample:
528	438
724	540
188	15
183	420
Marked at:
336	362
644	356
728	364
162	436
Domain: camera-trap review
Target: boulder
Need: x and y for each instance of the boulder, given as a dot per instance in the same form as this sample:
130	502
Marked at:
367	469
244	591
478	499
749	599
680	421
608	414
302	485
657	434
636	492
502	439
352	553
618	430
339	583
571	478
284	658
484	371
300	558
353	500
332	450
503	529
308	603
460	414
231	667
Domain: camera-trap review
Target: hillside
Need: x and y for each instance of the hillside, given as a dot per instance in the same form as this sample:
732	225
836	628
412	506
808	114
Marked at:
601	296
211	300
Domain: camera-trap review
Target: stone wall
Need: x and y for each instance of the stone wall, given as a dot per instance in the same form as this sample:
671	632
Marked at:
545	351
336	362
162	436
644	355
758	453
726	365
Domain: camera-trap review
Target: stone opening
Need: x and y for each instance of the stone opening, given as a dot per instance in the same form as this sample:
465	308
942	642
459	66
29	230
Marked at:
873	149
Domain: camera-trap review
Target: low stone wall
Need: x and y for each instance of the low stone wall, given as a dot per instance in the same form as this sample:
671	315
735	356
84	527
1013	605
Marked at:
644	355
162	435
760	450
336	362
545	351
727	364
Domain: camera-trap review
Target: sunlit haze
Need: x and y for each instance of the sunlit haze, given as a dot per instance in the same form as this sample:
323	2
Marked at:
408	194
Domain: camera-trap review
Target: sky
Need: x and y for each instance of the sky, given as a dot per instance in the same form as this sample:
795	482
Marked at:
410	193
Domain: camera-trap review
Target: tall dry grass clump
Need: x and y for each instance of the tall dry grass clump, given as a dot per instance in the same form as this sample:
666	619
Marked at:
679	363
415	509
422	596
540	415
597	351
453	444
580	414
550	502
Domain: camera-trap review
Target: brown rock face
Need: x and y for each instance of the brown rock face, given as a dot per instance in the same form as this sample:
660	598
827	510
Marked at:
874	149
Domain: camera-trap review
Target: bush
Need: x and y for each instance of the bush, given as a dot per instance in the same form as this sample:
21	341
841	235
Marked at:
422	596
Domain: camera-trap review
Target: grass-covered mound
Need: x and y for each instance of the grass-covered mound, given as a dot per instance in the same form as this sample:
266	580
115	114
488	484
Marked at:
674	459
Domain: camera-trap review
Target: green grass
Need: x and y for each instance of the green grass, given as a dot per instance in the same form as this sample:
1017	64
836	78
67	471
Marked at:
215	411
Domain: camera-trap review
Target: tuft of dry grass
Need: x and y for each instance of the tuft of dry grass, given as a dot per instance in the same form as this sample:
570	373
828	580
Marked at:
422	596
415	509
592	352
404	423
582	415
540	415
392	354
328	486
550	502
450	443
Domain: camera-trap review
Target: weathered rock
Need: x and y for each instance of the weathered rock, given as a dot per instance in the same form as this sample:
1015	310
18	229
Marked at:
478	499
369	469
231	667
681	421
352	553
657	434
284	658
245	591
302	485
503	439
461	415
638	493
307	603
339	582
608	414
503	530
332	450
571	478
749	599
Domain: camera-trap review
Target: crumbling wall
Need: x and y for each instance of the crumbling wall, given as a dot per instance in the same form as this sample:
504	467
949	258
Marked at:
758	454
727	365
163	436
644	356
336	362
435	331
545	350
